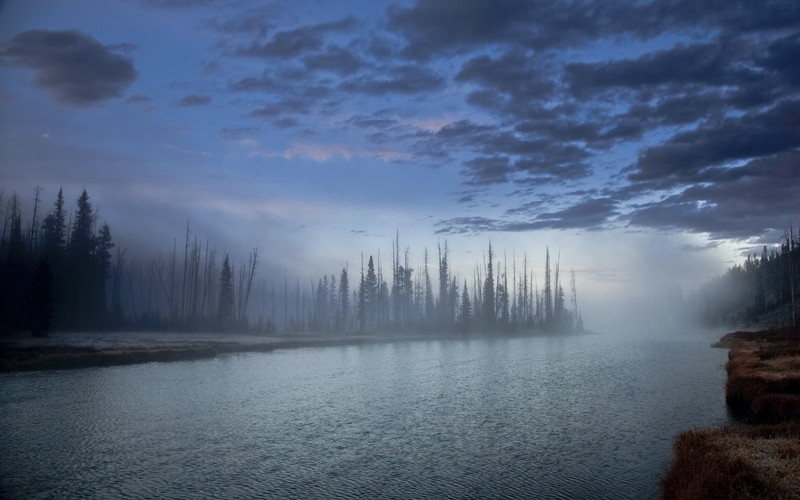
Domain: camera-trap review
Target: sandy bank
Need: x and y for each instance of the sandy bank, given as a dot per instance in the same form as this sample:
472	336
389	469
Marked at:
761	457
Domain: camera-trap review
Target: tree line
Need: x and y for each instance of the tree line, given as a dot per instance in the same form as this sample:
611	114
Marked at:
763	289
62	270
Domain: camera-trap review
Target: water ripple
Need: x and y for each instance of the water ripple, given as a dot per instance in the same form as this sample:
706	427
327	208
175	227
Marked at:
579	417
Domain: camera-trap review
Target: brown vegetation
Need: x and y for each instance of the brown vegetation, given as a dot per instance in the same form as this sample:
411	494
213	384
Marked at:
759	460
764	376
742	463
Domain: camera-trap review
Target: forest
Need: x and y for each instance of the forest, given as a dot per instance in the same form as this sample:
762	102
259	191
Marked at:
61	270
762	290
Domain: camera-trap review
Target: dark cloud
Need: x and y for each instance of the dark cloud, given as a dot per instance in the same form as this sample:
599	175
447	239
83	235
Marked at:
434	27
487	170
192	100
405	79
73	67
280	108
749	136
737	203
706	64
335	59
589	214
515	73
265	83
781	58
296	42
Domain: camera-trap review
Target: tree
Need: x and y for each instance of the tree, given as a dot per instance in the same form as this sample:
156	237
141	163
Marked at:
548	292
99	273
445	311
43	299
225	311
466	309
371	295
55	229
488	308
344	304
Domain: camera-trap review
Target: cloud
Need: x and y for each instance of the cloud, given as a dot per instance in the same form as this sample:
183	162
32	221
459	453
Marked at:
433	27
73	67
587	214
192	100
738	203
707	64
293	43
279	108
334	59
320	153
514	72
487	170
749	136
404	79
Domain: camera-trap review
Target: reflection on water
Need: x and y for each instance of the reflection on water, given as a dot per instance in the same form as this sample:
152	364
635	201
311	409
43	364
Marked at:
573	417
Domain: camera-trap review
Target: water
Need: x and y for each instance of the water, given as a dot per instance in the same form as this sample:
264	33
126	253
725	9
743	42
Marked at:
572	417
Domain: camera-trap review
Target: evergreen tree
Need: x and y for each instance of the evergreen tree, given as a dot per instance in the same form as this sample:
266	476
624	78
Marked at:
466	309
548	292
371	295
344	304
444	283
429	308
54	229
488	308
226	305
43	298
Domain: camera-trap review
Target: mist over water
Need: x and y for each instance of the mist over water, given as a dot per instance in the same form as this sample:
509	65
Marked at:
587	416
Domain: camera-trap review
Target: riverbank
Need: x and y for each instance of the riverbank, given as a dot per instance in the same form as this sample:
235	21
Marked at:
760	458
67	350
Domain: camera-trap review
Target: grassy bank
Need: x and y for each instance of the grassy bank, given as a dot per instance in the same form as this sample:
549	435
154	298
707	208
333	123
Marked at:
761	457
85	350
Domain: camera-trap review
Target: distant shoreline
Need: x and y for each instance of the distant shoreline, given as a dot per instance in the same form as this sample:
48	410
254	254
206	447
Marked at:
66	350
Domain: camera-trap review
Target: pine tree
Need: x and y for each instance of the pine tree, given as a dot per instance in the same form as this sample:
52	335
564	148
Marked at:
548	292
466	309
371	295
54	229
344	304
444	283
488	308
226	305
43	299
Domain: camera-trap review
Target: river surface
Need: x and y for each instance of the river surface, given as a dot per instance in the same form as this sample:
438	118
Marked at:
589	416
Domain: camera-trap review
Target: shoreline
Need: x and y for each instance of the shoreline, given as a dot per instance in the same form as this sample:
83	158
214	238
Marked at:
759	455
68	350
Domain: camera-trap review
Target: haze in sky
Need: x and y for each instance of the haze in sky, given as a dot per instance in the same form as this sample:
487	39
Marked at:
652	143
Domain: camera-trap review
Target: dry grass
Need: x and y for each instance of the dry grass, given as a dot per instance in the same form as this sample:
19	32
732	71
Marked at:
749	461
764	376
740	463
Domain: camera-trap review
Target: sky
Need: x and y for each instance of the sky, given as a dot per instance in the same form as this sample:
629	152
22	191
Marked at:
652	144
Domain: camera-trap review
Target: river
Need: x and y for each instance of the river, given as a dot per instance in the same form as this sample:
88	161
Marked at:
584	416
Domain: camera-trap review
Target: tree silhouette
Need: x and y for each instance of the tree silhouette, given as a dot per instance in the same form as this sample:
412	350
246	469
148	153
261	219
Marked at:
43	300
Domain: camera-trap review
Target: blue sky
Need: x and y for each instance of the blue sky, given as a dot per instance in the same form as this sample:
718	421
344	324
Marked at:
649	141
